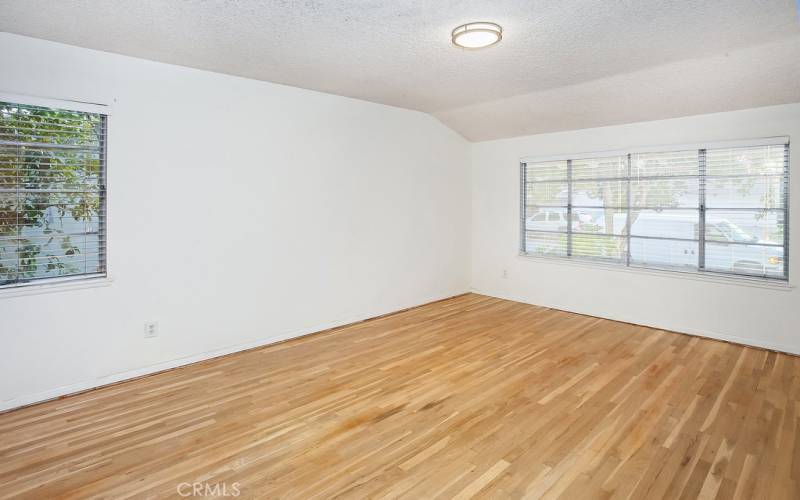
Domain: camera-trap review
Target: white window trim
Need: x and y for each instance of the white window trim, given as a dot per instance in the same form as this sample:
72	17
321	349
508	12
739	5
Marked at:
48	102
738	143
66	283
708	276
53	285
741	280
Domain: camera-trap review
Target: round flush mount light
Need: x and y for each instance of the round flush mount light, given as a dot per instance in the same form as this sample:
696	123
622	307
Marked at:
477	35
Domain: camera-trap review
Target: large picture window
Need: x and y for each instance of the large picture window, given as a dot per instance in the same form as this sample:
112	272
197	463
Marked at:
52	194
714	209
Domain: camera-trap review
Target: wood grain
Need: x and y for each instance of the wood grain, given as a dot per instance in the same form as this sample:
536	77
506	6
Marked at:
472	397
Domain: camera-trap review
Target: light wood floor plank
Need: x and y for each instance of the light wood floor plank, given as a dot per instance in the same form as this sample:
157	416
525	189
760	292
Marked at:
471	397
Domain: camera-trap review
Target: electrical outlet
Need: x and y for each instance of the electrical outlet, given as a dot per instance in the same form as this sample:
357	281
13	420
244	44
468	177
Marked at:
151	329
505	274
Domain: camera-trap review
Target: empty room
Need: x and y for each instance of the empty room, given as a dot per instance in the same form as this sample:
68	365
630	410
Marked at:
418	249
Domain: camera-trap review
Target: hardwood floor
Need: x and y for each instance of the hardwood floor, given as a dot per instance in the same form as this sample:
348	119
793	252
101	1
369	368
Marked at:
468	397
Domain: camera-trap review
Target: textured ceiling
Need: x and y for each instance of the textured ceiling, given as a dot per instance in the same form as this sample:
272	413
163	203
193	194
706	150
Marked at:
562	64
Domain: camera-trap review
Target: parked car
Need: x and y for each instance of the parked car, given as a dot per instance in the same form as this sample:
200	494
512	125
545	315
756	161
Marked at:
554	220
728	248
670	239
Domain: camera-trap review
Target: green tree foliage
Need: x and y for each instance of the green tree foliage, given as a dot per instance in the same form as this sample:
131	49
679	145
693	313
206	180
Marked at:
50	190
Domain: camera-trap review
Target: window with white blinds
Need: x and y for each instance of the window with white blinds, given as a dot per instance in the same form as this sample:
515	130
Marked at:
52	194
711	210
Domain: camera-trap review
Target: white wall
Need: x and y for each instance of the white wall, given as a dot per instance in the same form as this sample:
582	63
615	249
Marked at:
241	213
757	316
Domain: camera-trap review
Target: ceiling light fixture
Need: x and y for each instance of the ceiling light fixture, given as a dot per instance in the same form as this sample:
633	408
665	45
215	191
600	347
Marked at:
477	35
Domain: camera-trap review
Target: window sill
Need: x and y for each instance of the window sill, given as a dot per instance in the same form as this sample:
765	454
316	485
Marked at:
754	282
23	289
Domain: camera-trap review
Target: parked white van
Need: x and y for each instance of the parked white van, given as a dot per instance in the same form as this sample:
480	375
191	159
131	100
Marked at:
669	239
728	248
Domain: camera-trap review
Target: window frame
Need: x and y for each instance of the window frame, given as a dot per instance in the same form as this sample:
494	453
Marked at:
77	281
625	264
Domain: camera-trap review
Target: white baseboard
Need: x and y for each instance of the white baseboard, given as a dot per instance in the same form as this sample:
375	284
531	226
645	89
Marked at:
65	390
773	346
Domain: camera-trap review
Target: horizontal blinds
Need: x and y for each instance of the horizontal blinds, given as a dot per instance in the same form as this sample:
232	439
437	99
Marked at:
746	194
52	193
720	210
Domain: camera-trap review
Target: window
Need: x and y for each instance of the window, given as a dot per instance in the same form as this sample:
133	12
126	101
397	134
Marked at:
52	194
711	209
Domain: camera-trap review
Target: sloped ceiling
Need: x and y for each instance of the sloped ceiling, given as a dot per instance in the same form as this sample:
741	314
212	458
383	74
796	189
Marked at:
563	64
